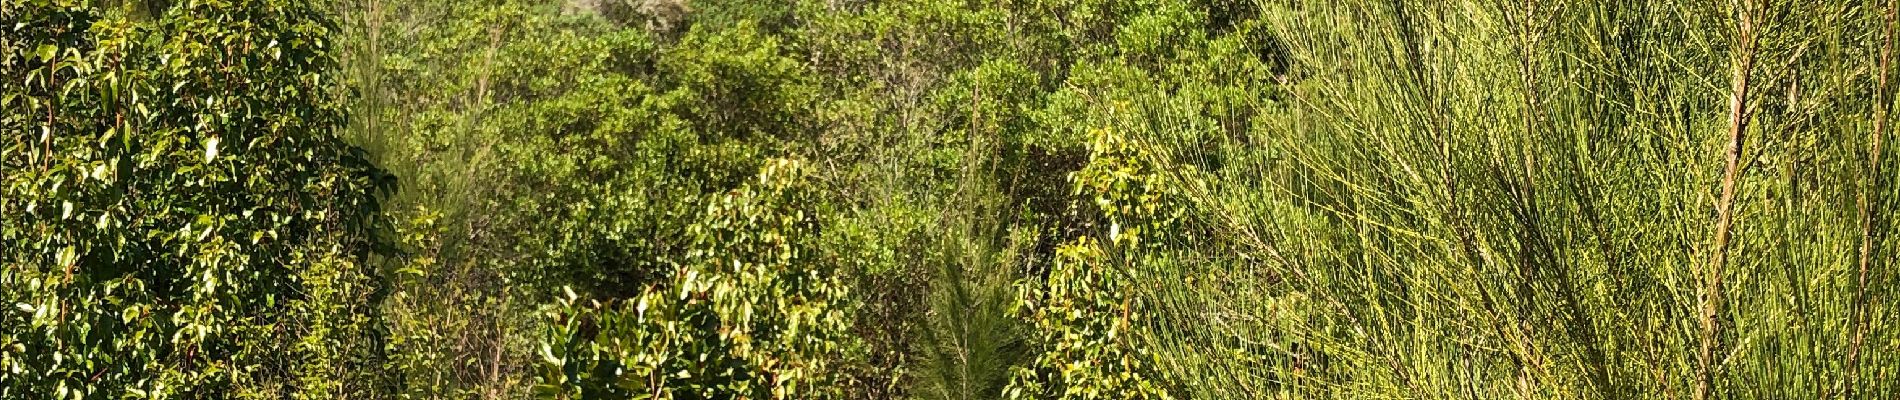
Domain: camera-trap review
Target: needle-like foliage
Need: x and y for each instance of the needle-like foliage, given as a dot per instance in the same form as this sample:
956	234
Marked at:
1542	199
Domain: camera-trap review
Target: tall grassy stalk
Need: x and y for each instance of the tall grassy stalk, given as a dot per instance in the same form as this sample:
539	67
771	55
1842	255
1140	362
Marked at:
456	320
1872	183
1547	199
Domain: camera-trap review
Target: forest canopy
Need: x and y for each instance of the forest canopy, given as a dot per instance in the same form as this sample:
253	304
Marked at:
948	199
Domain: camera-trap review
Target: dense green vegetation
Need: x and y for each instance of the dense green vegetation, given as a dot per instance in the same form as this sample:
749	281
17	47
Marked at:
948	199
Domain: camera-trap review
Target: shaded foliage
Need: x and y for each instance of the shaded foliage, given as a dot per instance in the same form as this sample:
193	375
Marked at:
753	311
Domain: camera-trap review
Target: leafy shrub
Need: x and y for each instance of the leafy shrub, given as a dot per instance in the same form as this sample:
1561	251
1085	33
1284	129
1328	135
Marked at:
544	150
751	312
181	219
1086	313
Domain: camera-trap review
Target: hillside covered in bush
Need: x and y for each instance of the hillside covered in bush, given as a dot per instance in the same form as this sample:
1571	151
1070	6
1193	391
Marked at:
949	199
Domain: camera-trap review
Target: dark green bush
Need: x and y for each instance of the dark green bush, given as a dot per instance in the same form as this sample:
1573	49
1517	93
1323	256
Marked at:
181	218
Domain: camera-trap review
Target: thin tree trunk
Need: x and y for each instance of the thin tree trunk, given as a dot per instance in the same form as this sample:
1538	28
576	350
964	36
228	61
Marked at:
1740	68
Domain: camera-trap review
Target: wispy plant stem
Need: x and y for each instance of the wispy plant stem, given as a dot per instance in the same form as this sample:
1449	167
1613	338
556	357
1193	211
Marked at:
1871	189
